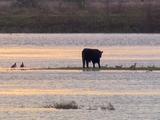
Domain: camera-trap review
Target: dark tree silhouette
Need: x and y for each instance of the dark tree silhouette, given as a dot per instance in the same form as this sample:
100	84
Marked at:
149	16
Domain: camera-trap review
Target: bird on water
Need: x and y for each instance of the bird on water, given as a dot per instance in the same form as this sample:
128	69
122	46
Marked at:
14	65
22	65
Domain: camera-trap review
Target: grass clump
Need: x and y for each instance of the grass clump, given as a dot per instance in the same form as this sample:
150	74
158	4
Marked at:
69	105
63	105
48	106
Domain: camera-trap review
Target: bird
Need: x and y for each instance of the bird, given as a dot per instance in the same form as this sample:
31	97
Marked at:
22	65
110	107
14	65
133	66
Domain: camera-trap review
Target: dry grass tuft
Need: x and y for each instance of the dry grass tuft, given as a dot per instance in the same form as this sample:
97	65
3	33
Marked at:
69	105
63	105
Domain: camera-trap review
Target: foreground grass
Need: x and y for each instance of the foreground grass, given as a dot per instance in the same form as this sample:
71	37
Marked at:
63	105
74	105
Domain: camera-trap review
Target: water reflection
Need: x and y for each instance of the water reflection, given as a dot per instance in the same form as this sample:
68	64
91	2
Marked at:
64	53
72	92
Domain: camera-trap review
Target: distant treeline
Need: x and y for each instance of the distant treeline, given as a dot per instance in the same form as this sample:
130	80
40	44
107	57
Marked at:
79	16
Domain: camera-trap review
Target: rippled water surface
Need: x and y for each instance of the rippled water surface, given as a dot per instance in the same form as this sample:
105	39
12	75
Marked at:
24	94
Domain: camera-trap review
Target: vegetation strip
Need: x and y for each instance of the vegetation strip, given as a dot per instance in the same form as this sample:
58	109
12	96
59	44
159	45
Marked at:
90	69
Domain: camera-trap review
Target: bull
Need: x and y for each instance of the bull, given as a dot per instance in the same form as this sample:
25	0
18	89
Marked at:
91	55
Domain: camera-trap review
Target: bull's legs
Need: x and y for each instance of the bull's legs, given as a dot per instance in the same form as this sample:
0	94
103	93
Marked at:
99	65
83	63
87	64
93	65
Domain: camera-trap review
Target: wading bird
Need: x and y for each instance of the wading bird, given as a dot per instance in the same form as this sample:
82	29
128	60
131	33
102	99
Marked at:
14	65
22	65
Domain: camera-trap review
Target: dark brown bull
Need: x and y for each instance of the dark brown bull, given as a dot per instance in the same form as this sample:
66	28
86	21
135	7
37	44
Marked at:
91	55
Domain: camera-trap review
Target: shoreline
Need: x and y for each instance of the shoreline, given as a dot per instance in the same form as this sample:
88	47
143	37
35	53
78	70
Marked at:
87	69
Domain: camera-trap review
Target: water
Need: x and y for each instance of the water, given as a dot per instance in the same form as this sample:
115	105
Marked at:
25	93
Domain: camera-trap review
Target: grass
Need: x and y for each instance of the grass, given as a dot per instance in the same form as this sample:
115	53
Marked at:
64	105
74	105
143	68
149	68
69	105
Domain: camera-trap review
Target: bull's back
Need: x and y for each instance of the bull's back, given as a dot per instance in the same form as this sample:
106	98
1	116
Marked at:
89	53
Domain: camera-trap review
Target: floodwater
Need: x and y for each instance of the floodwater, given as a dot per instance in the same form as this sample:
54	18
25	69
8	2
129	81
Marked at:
24	94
